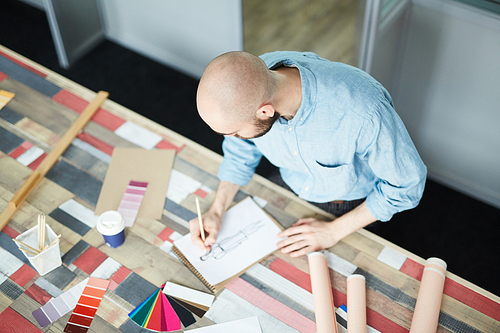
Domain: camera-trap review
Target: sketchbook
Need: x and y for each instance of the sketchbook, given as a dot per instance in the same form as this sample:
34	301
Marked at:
247	236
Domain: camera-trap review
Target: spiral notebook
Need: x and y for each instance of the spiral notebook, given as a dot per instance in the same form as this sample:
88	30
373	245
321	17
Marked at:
247	236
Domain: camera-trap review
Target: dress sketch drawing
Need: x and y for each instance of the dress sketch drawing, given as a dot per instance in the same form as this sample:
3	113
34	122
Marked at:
219	249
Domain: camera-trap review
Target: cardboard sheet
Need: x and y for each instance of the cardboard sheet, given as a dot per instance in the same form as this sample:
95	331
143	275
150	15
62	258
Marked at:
151	166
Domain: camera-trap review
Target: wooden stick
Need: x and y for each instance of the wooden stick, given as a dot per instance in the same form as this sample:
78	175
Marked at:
202	229
44	229
28	251
54	241
39	224
51	158
25	245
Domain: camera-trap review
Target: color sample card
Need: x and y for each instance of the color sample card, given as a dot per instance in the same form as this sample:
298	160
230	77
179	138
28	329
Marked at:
131	201
59	306
194	297
151	166
87	306
5	97
160	312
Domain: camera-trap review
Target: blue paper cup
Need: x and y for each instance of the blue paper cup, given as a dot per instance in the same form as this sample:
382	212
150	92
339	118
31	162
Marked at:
111	225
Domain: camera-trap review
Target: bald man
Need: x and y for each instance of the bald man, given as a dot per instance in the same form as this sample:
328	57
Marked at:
330	128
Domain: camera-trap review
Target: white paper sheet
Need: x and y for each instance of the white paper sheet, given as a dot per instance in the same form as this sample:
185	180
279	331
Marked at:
247	235
246	325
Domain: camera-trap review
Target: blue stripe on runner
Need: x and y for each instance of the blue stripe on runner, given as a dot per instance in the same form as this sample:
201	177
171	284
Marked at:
28	78
10	115
178	210
76	181
75	252
135	289
9	141
11	289
69	221
8	244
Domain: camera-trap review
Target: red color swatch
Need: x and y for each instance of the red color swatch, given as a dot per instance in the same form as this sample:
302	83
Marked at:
87	306
3	76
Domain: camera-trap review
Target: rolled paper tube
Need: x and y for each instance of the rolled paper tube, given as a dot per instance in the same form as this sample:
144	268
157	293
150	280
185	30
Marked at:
356	304
426	315
322	293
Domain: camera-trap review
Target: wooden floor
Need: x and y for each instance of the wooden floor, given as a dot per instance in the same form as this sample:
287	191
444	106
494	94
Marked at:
326	27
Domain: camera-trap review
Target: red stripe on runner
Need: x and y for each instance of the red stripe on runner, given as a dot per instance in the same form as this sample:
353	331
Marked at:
17	152
89	260
12	321
202	194
95	142
164	144
121	274
412	268
11	232
70	100
23	275
78	104
33	165
471	298
275	308
22	64
457	291
38	294
107	119
165	234
3	76
303	280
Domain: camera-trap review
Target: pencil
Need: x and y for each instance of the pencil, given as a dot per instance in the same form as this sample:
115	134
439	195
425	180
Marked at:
202	230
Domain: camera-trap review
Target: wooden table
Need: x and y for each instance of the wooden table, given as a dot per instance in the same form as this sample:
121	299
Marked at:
44	107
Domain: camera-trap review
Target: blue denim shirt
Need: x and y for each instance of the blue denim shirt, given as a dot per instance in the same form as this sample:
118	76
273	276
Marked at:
345	142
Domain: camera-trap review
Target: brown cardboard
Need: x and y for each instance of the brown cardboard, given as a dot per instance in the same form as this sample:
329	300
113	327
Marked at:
151	166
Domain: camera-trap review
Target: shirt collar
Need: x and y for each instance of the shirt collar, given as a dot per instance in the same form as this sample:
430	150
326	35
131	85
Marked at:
308	87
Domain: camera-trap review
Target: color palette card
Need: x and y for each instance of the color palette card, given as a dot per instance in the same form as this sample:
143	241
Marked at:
87	306
160	312
59	306
193	297
131	201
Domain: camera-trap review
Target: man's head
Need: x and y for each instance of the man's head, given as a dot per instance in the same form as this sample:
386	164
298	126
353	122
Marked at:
234	95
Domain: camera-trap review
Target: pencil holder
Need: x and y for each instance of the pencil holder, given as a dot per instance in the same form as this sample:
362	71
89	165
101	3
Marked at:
46	260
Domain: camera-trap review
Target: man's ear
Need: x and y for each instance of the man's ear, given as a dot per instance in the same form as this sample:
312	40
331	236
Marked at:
265	112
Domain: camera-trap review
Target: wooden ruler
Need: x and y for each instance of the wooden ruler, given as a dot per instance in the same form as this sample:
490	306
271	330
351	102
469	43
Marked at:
51	159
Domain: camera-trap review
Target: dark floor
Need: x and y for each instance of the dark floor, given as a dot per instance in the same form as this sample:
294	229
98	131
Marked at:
446	224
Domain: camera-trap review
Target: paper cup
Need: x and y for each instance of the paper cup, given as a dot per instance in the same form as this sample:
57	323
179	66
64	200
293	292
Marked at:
111	225
47	260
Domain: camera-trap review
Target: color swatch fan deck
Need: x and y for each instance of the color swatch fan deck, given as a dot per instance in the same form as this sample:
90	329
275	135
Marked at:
160	312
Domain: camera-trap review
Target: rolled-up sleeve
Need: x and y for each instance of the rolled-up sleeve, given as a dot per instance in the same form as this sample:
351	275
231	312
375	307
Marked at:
241	157
389	151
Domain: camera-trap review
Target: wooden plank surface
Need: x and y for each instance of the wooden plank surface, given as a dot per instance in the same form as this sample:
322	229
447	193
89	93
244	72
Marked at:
36	119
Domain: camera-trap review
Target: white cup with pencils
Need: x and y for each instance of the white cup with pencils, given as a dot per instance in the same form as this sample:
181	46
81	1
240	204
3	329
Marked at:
40	245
